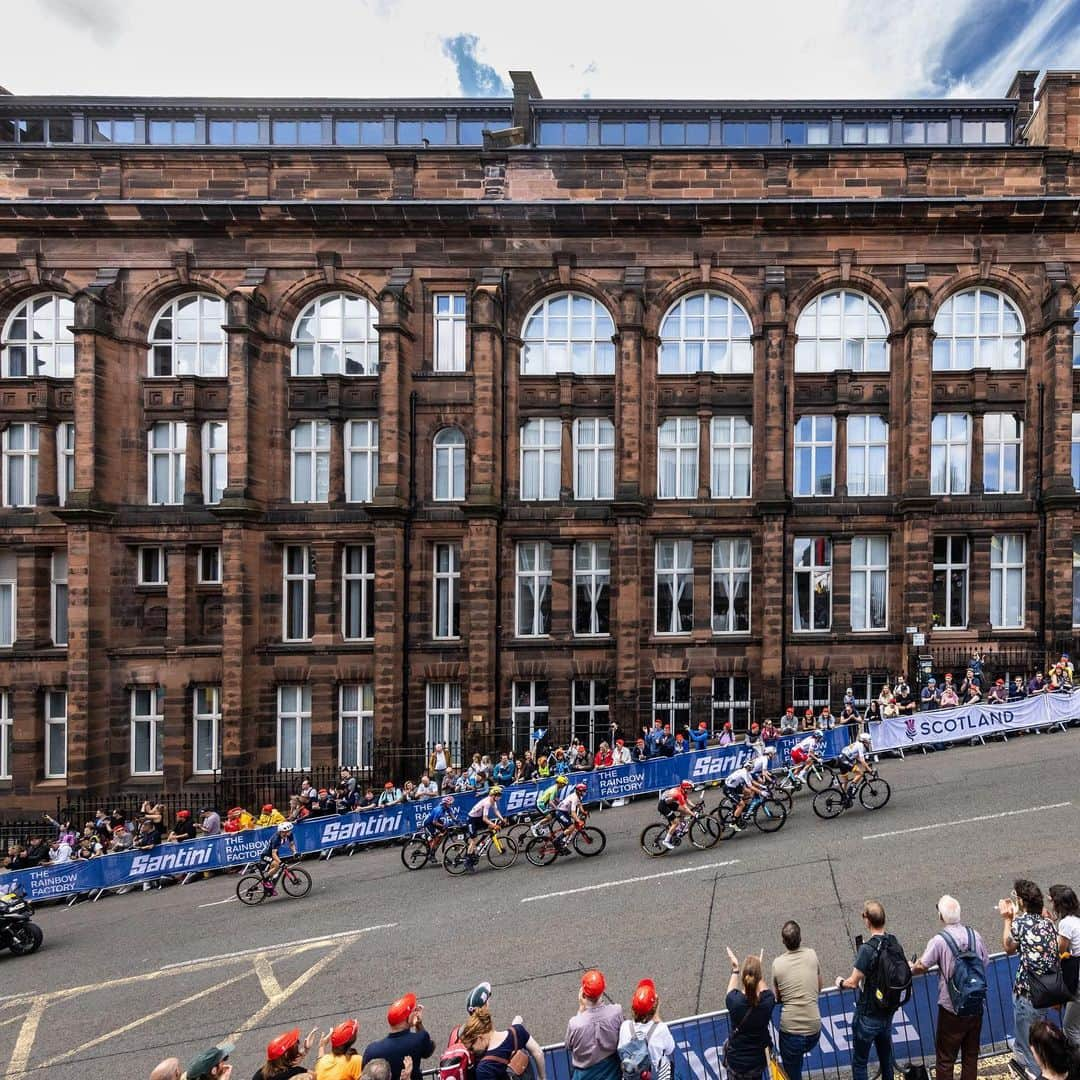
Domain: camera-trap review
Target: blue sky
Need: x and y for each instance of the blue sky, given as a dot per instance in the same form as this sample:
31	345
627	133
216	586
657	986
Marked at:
596	48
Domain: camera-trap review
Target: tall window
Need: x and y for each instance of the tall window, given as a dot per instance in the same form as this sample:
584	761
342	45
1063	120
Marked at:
37	340
671	702
442	719
152	568
842	329
58	595
530	713
449	449
1006	581
147	738
1076	451
336	335
732	442
810	692
215	462
706	331
731	702
677	458
311	461
950	582
206	724
356	724
187	338
209	565
7	728
1076	582
65	460
867	686
568	332
8	593
1003	435
869	582
541	459
867	455
950	454
294	727
449	332
594	458
534	589
361	459
813	583
55	734
674	586
20	464
358	592
591	723
731	586
978	328
814	455
447	586
298	593
167	453
592	587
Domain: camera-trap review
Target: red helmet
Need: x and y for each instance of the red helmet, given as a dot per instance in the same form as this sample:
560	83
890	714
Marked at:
687	785
592	983
344	1034
645	999
581	788
280	1046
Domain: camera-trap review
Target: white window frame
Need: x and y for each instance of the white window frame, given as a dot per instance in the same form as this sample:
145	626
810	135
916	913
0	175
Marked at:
58	598
817	573
59	339
670	707
729	705
731	451
201	577
842	330
677	577
326	325
209	716
678	440
1005	568
579	341
963	337
306	579
365	579
728	568
311	461
592	571
1075	451
1076	336
449	466
7	732
175	454
446	591
817	447
65	460
949	449
818	692
9	583
442	716
215	457
55	717
141	577
538	576
22	462
208	345
949	568
591	718
361	459
361	714
154	722
594	458
540	440
298	711
868	565
449	331
530	710
718	339
862	441
997	443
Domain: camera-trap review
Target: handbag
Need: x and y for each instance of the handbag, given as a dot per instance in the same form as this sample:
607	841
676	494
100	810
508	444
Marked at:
1048	989
727	1042
517	1064
916	1071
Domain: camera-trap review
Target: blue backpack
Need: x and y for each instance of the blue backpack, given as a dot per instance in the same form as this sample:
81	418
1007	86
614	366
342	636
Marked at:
967	983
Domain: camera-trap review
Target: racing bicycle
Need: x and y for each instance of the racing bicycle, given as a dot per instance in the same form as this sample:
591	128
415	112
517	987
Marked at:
255	887
701	829
872	791
422	849
766	812
583	838
501	852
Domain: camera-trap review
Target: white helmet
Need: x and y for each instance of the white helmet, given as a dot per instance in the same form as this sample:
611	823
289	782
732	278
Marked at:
864	738
770	751
285	827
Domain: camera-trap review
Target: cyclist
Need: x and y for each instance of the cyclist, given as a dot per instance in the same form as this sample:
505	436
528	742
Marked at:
569	811
547	801
807	752
270	859
742	785
483	815
853	763
759	766
675	805
439	821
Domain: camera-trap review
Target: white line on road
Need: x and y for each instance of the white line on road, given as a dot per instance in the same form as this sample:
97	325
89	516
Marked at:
966	821
630	881
227	900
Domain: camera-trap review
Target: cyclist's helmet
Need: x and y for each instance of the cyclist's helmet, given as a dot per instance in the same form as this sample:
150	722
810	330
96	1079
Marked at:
561	781
818	733
448	800
864	738
496	790
285	827
770	751
581	788
687	785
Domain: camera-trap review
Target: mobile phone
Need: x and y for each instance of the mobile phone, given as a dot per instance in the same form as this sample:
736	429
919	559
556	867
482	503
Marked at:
858	942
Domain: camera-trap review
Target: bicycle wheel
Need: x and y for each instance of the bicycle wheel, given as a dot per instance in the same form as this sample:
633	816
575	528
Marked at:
818	778
504	855
705	832
540	850
829	803
770	815
590	841
453	858
518	832
296	882
651	837
415	853
250	891
874	794
723	814
783	796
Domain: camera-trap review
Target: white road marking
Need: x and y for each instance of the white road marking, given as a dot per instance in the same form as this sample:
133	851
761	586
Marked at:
966	821
629	881
267	979
20	1056
227	900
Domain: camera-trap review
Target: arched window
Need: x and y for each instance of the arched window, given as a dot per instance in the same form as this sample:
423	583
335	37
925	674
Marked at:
336	335
37	339
978	328
842	329
449	465
568	332
187	337
706	331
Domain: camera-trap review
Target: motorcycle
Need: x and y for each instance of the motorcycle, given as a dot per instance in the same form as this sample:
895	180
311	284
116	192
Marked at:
17	932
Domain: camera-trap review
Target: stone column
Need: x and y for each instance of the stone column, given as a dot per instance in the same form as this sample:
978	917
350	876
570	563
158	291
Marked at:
771	616
390	634
337	461
180	594
840	452
704	416
628	385
566	456
562	577
486	358
628	619
47	476
327	575
915	389
395	342
92	325
479	582
242	566
246	416
193	489
976	485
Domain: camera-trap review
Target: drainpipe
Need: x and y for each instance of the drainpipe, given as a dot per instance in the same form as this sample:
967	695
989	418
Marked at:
406	664
504	305
1041	506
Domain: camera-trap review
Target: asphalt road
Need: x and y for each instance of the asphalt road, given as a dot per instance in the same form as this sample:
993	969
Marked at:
124	982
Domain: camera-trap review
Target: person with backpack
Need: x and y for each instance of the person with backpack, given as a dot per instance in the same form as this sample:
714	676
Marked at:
646	1046
959	954
882	975
499	1055
750	1005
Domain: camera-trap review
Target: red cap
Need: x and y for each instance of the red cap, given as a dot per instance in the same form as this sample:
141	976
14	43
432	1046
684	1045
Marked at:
344	1034
280	1046
619	742
401	1010
727	725
1000	682
592	983
702	726
183	814
323	791
645	999
388	784
236	811
790	708
268	808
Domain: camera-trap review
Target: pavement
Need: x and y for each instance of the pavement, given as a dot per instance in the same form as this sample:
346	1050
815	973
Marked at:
124	982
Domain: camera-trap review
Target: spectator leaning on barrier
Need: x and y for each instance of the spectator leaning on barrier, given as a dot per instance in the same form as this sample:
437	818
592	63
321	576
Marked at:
648	1027
797	985
1066	909
492	1050
407	1038
1053	1053
958	1021
749	1003
592	1036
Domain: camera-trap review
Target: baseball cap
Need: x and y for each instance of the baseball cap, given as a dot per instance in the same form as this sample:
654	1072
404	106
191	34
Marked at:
344	1034
201	1064
400	1010
592	983
645	998
281	1045
478	998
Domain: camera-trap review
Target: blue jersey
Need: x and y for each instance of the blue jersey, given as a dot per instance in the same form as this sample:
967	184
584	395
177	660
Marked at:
445	815
276	843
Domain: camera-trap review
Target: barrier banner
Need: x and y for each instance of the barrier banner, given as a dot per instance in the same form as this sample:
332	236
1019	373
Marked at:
974	721
369	826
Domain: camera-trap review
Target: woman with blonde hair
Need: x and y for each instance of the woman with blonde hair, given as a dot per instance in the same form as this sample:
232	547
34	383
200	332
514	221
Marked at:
497	1052
749	1003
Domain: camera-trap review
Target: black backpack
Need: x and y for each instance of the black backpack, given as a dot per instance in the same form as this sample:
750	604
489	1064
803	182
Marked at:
888	982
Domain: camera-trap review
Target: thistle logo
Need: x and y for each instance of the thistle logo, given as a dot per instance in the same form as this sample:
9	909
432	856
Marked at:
362	827
909	726
175	860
